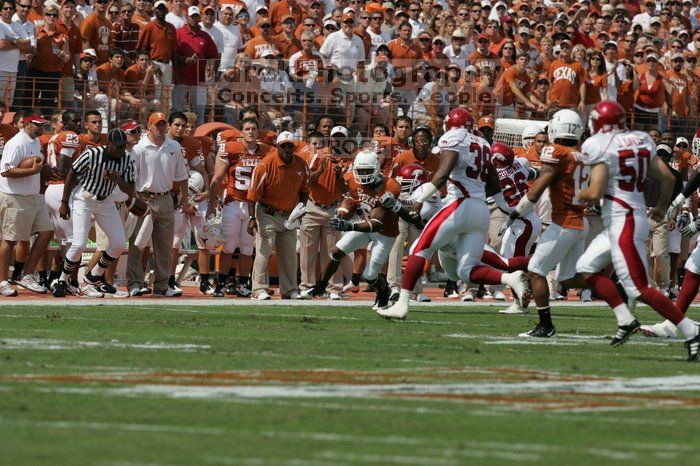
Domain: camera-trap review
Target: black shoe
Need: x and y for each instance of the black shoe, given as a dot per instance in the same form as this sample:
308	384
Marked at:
205	287
394	296
450	289
219	291
318	290
693	346
230	288
624	332
540	332
59	290
382	300
100	283
370	289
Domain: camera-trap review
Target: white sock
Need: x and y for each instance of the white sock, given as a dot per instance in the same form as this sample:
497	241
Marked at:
97	270
404	297
65	277
623	315
688	328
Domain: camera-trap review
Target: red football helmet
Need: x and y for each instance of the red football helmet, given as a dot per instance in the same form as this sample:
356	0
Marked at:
606	116
502	155
410	177
459	118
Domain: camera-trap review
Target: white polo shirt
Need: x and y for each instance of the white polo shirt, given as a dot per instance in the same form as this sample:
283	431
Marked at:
156	168
232	43
9	59
343	52
20	147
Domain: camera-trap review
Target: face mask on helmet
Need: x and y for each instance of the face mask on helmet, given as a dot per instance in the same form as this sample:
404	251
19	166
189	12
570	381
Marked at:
410	177
366	168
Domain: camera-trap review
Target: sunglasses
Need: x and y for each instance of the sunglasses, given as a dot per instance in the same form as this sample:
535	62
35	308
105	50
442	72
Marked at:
424	39
364	18
102	2
639	55
438	44
378	18
111	13
414	10
52	15
595	59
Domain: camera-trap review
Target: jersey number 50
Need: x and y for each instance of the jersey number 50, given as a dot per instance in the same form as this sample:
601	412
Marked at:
634	164
481	156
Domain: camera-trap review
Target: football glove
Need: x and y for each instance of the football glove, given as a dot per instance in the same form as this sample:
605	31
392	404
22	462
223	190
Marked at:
690	229
505	225
340	224
675	204
389	202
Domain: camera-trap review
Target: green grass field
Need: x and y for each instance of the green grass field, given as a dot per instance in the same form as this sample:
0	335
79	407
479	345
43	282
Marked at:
292	385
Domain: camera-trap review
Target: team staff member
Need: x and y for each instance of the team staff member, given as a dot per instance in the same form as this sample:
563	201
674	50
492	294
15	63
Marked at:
194	159
96	172
159	37
158	164
234	168
22	208
326	189
279	182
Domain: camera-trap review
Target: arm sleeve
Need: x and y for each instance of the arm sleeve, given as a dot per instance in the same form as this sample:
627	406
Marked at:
82	163
128	174
257	183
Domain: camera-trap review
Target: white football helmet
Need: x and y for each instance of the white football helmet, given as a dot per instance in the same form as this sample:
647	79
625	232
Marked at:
695	148
212	231
195	183
366	168
529	134
565	124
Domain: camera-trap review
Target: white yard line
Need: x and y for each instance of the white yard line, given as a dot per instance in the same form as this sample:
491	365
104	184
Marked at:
52	344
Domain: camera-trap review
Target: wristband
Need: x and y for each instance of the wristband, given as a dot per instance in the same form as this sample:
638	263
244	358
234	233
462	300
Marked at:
131	203
428	191
679	199
524	206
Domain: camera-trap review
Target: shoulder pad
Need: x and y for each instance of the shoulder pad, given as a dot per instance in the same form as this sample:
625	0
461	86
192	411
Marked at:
453	138
593	152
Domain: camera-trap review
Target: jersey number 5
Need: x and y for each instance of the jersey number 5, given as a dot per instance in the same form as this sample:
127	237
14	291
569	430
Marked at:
242	177
634	164
481	156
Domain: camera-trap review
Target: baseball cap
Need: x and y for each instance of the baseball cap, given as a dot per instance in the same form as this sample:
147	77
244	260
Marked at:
438	38
655	20
486	122
88	55
330	22
676	55
458	33
37	119
285	17
157	117
193	10
523	30
483	36
160	3
261	8
285	136
682	140
388	6
117	137
131	128
339	129
653	56
348	17
665	148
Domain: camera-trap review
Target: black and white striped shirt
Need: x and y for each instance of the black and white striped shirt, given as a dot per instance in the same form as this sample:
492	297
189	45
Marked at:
92	165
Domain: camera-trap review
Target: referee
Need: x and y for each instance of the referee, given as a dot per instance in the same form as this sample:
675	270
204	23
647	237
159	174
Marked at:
96	173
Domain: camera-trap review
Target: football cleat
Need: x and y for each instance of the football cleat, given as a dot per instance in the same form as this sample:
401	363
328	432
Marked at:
100	283
89	291
230	288
693	346
467	296
243	290
206	288
135	292
262	296
394	295
665	329
334	297
451	290
219	291
317	291
586	296
420	297
624	332
515	308
29	283
7	290
382	300
499	296
59	290
539	332
519	284
350	287
396	312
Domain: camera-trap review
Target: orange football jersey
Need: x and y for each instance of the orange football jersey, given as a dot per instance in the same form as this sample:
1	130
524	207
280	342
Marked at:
63	144
388	149
241	164
572	176
192	152
368	200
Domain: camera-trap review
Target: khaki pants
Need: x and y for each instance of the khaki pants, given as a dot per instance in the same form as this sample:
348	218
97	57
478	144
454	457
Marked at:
272	232
496	219
162	238
317	239
407	233
658	249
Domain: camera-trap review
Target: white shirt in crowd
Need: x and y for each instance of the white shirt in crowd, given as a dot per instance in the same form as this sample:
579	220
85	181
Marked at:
217	36
233	42
425	95
20	147
343	52
84	10
156	168
612	88
417	26
252	7
9	59
461	57
177	21
377	40
30	29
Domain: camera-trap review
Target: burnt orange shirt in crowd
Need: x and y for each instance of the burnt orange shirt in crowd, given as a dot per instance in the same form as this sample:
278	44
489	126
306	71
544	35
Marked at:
679	96
192	152
366	201
258	46
48	46
86	142
75	44
388	149
404	56
593	86
279	9
7	132
521	80
650	95
141	21
107	77
96	32
327	188
277	184
133	78
682	160
241	163
570	177
625	94
287	47
159	39
566	80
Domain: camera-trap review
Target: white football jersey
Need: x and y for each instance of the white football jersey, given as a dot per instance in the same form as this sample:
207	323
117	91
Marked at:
469	175
627	155
514	180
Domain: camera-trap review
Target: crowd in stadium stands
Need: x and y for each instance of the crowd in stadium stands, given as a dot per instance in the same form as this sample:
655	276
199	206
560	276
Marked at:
253	107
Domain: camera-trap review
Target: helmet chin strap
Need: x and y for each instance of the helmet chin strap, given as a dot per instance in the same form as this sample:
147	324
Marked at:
377	182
